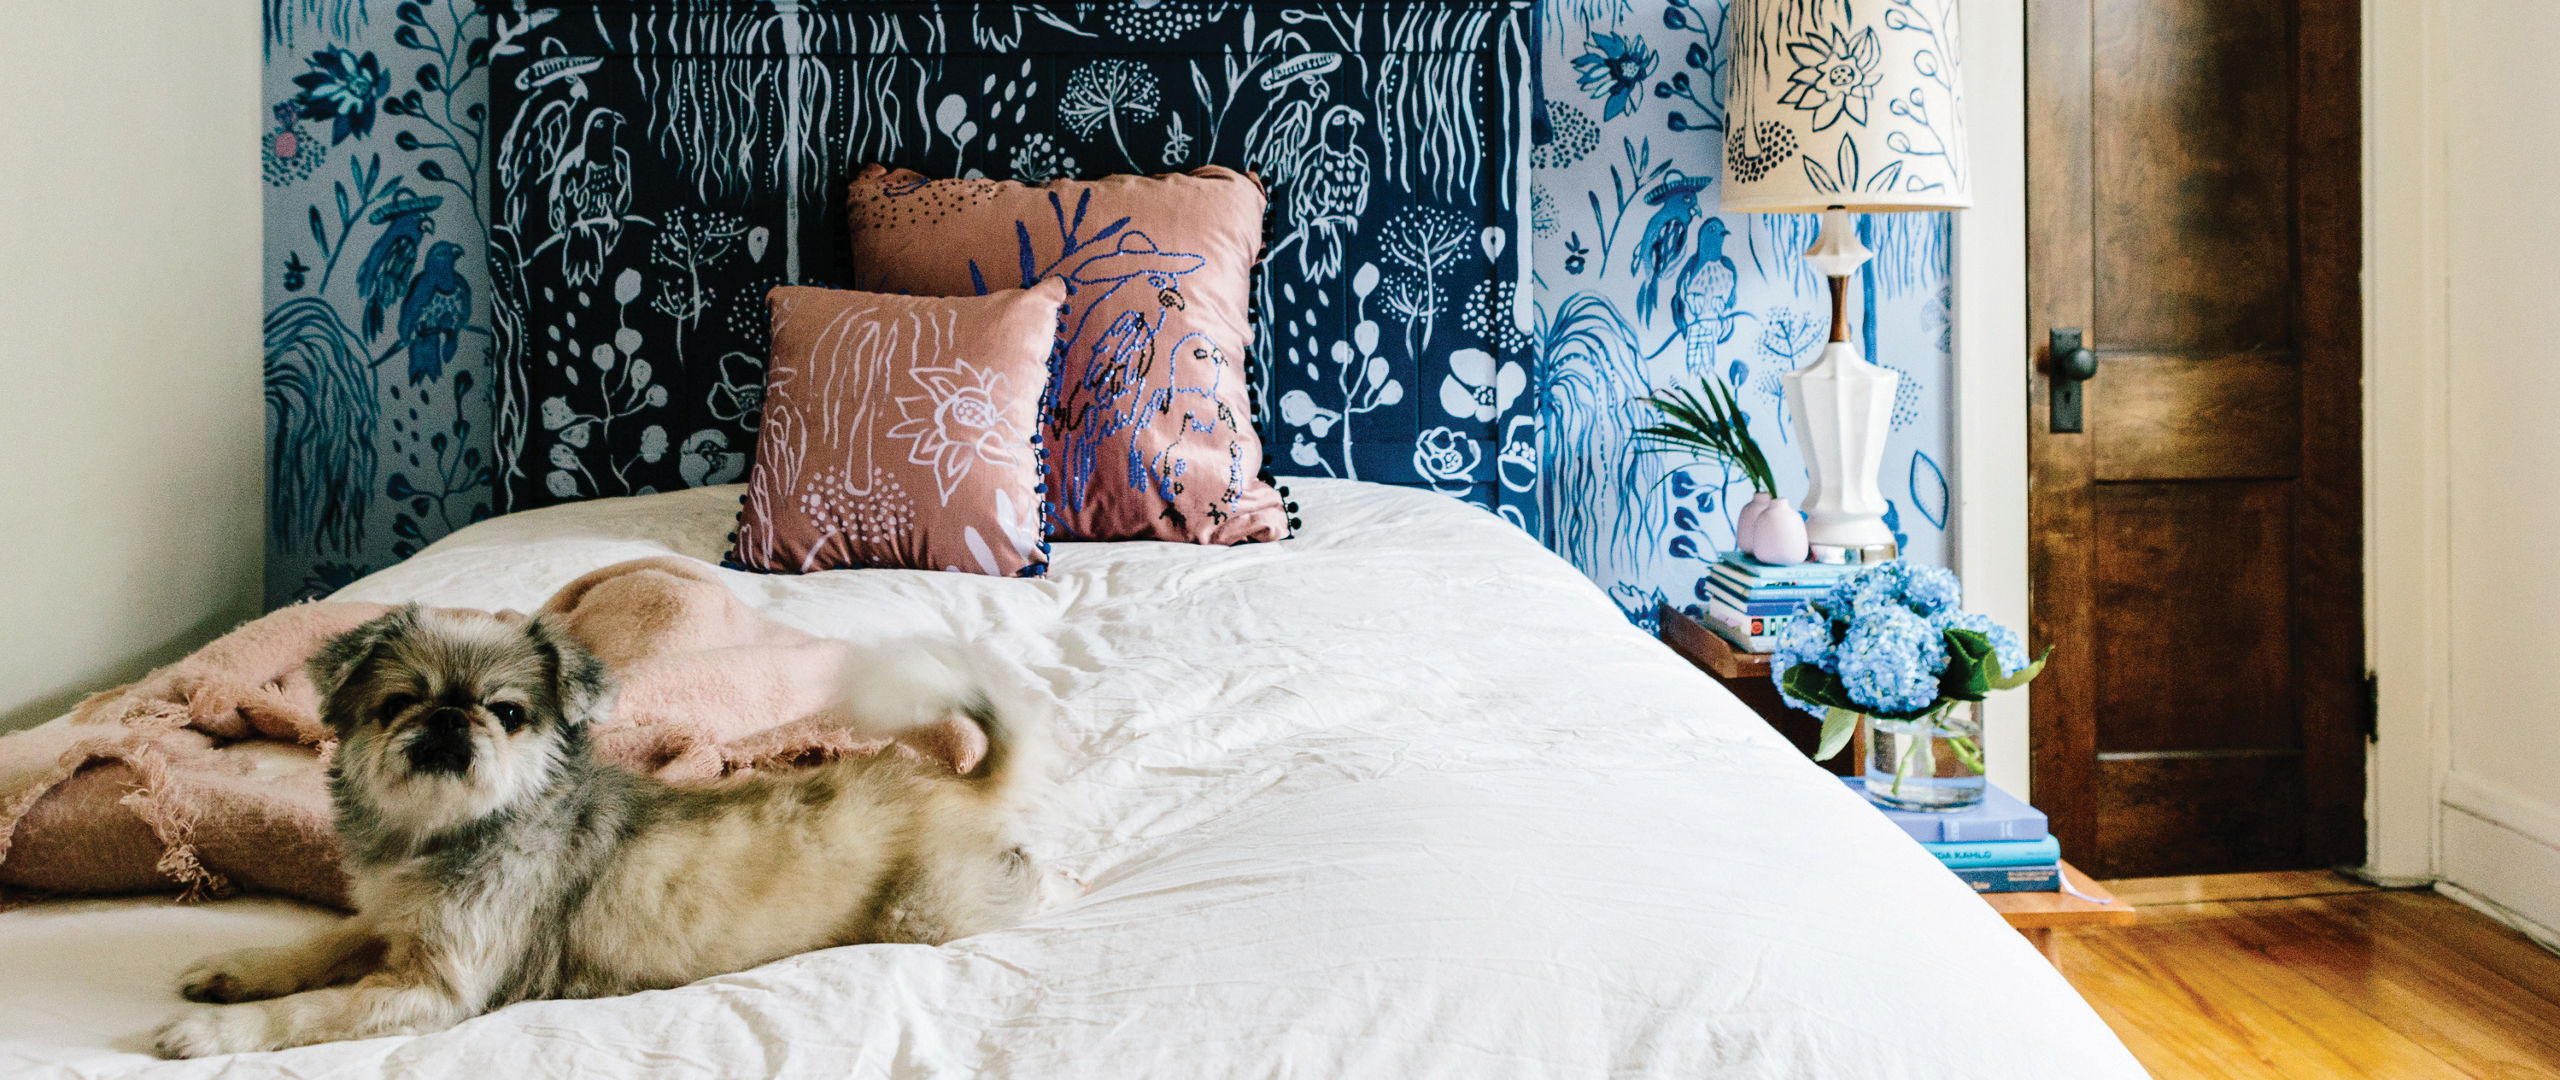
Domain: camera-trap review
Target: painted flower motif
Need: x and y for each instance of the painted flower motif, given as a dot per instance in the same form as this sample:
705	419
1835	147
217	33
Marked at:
1447	459
345	88
1039	159
958	421
739	395
1475	389
1299	409
1835	76
707	459
1613	68
288	153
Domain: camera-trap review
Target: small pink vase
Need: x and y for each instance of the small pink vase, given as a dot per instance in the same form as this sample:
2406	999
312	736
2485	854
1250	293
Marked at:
1777	535
1743	523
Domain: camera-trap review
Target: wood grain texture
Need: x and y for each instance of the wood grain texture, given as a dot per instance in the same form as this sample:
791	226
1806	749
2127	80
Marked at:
2364	983
2095	906
2208	888
2195	417
2214	814
2192	619
2062	701
2193	191
2191	118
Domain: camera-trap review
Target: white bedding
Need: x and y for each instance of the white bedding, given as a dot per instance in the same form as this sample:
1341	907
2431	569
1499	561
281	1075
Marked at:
1402	797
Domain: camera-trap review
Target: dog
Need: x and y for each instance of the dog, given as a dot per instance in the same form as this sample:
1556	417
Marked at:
494	859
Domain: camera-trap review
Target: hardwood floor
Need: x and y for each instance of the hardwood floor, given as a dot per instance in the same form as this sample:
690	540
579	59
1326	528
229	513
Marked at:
2315	975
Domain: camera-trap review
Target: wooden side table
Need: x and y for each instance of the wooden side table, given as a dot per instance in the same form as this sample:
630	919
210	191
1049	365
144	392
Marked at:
2038	914
2035	914
1747	675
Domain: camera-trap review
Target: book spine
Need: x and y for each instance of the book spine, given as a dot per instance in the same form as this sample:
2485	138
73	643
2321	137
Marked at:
1743	586
1717	590
1991	879
1736	635
2040	852
1745	623
1799	574
1993	830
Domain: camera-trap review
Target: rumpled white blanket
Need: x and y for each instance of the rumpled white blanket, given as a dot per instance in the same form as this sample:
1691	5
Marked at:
1402	797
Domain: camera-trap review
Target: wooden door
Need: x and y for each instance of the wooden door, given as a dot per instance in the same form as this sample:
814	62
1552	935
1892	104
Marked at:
2196	551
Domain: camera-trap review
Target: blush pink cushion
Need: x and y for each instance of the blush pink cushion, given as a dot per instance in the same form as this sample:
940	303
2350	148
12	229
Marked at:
1148	418
901	431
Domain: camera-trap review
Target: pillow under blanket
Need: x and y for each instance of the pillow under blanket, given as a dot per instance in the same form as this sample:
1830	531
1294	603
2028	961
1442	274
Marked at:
1148	419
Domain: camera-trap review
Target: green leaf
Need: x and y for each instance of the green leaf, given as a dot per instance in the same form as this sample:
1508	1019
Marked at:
1837	725
1807	682
2024	674
1971	665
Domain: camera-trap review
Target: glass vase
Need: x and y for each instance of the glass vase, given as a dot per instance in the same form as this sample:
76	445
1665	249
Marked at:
1932	762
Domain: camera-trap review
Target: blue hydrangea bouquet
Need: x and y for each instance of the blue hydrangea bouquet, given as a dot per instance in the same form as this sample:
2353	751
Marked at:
1892	647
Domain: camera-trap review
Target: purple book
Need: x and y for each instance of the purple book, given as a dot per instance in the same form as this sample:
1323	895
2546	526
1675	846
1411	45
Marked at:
1999	816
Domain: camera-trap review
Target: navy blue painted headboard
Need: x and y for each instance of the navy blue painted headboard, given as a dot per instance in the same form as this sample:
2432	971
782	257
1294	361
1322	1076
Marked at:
656	166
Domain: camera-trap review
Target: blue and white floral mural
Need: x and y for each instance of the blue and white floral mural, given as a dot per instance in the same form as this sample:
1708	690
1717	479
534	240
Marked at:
382	383
378	376
1642	285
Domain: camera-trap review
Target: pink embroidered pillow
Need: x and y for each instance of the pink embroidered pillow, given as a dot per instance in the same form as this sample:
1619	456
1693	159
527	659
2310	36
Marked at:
1148	419
901	431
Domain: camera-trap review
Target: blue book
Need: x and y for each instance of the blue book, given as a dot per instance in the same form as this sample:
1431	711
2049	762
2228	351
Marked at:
2042	852
1789	574
1752	605
2046	878
1999	816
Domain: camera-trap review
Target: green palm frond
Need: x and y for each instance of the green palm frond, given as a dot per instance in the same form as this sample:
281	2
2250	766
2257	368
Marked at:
1711	425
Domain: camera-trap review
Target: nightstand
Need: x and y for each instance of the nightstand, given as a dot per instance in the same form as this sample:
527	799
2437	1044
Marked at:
1747	675
2035	914
2039	914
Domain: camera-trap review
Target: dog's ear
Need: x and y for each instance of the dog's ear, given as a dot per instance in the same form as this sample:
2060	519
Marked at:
584	686
340	659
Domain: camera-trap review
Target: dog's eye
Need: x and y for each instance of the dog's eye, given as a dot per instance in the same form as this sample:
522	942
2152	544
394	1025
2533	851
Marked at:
397	704
508	713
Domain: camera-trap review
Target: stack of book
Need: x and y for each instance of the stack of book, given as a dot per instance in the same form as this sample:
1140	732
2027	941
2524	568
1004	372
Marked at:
1997	845
1747	600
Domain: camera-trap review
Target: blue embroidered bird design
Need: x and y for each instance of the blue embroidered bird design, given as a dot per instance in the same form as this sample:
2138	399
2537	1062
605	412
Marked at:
432	317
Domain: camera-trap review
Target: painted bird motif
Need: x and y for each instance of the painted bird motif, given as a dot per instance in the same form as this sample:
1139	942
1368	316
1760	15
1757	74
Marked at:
589	191
1666	236
1703	308
432	317
384	275
1331	193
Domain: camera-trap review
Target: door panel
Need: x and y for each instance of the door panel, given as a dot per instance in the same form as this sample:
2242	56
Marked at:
2192	195
2197	417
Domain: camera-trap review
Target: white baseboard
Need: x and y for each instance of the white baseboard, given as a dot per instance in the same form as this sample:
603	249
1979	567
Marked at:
2501	854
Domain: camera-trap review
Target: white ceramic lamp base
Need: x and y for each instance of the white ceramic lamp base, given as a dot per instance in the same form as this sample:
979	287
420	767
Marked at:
1843	410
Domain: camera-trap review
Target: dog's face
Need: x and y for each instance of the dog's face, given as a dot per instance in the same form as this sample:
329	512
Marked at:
443	718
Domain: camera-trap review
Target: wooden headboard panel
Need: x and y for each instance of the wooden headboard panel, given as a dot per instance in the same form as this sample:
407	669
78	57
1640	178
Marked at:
654	167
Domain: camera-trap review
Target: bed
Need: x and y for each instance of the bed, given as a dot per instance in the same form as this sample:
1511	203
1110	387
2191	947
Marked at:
1404	796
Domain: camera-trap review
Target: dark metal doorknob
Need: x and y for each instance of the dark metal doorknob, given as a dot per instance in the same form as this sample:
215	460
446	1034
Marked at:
2073	364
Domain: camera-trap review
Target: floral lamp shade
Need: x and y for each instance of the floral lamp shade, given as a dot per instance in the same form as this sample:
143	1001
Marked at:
1856	104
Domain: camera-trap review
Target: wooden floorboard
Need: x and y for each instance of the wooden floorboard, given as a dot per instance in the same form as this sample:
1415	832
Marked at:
2314	975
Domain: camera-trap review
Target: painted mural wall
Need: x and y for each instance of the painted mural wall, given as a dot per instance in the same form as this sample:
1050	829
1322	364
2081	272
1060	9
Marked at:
378	379
379	383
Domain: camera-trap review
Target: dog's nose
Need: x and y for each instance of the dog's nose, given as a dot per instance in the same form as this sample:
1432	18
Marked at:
447	720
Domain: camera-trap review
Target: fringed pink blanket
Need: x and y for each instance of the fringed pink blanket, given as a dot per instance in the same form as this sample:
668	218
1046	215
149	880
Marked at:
209	775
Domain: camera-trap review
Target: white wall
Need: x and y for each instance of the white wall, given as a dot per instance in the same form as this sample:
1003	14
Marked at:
130	510
2467	392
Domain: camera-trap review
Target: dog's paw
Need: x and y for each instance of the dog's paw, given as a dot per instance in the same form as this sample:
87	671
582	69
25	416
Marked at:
225	978
210	1030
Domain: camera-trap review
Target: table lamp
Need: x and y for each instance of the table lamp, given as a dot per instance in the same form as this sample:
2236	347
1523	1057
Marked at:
1838	107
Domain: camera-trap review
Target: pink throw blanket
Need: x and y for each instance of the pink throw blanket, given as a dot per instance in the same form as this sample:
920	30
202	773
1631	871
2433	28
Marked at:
210	774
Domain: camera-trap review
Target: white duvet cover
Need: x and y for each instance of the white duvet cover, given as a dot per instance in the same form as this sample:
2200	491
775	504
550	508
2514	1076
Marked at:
1402	797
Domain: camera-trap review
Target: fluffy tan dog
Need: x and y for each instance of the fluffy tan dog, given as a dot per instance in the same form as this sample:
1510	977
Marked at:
495	859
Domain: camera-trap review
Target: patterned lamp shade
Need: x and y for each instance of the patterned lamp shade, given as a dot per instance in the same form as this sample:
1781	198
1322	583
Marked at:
1856	104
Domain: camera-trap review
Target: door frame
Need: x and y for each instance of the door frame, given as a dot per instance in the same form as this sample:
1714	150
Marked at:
2406	510
1993	349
